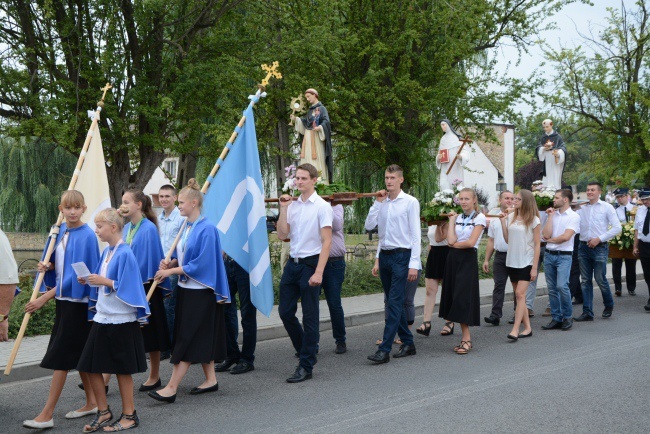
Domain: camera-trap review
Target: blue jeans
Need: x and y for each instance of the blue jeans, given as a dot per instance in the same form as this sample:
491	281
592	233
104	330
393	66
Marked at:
170	305
531	292
239	283
393	272
332	282
557	269
294	285
593	262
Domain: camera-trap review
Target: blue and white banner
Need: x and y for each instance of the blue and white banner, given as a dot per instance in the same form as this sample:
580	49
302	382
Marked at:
235	204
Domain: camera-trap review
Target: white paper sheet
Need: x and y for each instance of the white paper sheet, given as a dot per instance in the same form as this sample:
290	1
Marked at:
82	271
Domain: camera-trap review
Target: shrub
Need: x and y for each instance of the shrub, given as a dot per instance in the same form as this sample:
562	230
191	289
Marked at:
40	323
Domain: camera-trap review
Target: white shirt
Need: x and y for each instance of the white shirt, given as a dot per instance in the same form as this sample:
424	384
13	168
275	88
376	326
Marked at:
465	226
598	221
638	224
398	221
621	212
431	234
569	219
8	267
59	265
495	231
305	220
110	309
521	243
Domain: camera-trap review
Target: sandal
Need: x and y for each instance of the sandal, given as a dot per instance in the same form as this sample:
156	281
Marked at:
448	329
397	341
464	347
117	426
426	330
95	425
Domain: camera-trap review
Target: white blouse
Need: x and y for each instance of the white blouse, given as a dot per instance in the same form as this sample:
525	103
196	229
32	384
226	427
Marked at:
431	234
465	226
521	243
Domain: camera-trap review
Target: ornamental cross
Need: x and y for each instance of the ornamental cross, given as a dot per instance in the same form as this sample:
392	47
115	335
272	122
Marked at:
271	72
105	89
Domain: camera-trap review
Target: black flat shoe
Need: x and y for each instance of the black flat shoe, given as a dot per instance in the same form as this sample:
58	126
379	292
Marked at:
521	335
633	293
81	386
341	348
144	388
405	350
299	376
158	397
379	357
618	292
198	390
492	320
584	317
511	320
513	338
553	325
607	313
242	367
225	365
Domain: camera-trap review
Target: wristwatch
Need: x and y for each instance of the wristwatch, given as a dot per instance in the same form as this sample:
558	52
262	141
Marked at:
3	317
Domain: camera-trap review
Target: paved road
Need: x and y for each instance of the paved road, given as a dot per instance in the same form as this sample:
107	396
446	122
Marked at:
593	378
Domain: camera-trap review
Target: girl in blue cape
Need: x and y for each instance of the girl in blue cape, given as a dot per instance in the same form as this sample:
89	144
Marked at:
118	305
141	233
76	242
199	329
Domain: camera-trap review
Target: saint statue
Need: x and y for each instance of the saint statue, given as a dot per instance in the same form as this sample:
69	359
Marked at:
551	150
316	134
450	144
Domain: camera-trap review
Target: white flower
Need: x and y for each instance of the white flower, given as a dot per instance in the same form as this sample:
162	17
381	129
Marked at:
448	192
447	201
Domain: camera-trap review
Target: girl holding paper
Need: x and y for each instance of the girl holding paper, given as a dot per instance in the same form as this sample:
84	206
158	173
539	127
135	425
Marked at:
76	242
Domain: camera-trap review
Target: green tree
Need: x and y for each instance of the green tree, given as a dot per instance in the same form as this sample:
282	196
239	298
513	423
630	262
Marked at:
609	94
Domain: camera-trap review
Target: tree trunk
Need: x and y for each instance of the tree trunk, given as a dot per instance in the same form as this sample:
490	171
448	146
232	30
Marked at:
186	169
282	135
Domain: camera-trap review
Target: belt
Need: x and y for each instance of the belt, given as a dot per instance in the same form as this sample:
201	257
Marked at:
336	258
305	260
558	252
501	252
586	242
393	251
542	244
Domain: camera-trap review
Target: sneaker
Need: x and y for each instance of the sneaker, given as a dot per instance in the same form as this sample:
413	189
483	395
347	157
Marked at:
567	323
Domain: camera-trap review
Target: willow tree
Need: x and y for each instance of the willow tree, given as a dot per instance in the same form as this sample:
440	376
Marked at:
33	173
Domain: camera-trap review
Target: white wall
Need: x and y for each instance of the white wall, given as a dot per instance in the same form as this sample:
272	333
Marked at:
509	157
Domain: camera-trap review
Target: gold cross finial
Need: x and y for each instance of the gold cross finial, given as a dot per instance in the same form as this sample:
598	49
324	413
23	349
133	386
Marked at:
271	71
105	89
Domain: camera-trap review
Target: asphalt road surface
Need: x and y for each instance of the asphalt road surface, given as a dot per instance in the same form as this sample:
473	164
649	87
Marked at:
593	378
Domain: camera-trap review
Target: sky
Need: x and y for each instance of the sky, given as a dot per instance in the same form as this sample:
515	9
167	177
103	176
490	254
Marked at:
571	21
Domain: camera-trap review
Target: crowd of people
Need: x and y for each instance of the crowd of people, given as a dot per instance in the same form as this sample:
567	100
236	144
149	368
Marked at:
106	323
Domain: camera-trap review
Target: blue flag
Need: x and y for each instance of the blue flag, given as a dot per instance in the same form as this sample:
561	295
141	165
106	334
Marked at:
235	204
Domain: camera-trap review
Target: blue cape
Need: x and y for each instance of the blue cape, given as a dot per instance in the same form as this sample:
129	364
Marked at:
148	252
123	270
82	246
203	261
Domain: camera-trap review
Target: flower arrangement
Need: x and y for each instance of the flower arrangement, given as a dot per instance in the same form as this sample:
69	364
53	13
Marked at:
543	195
443	203
624	240
326	189
289	186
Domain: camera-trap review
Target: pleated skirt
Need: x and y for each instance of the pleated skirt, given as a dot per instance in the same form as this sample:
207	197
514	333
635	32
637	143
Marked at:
114	349
69	335
459	300
199	327
156	333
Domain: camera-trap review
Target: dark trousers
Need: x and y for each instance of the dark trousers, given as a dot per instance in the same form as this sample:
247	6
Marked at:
294	285
644	256
170	305
409	300
333	277
574	277
630	273
500	277
239	283
393	272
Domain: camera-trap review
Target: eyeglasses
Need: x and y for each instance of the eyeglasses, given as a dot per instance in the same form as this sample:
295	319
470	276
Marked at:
517	199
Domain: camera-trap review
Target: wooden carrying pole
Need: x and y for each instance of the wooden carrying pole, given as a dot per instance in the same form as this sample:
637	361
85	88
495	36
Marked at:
271	72
465	140
54	232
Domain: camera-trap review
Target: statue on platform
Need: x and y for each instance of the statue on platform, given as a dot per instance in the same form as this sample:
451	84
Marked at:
552	151
316	135
450	146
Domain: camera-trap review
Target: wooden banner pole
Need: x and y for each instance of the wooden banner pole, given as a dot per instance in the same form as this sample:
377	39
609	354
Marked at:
465	140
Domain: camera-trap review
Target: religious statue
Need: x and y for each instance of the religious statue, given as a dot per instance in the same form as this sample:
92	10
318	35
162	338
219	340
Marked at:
551	150
316	133
451	155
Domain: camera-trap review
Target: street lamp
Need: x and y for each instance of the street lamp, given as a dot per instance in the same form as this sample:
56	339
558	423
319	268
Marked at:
501	186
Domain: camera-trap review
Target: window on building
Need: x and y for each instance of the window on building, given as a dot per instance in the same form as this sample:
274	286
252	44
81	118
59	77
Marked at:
170	167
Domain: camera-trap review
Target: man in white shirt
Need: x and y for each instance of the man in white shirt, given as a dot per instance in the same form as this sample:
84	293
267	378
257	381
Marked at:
497	244
623	212
559	230
397	216
307	221
642	237
169	223
598	225
8	284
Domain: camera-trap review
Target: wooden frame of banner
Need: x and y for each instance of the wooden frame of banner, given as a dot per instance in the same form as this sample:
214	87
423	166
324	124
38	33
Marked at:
271	72
54	232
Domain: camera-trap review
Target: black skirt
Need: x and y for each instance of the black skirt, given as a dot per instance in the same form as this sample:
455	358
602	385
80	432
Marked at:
114	349
199	327
436	261
156	333
459	301
517	274
69	335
